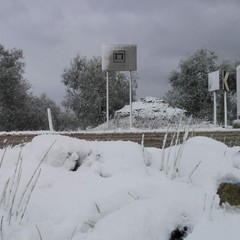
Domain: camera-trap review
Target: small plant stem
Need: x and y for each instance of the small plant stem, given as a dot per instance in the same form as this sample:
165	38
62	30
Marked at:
3	156
4	194
98	209
34	173
210	213
163	150
75	229
193	171
135	198
39	233
30	194
18	172
204	202
14	175
1	228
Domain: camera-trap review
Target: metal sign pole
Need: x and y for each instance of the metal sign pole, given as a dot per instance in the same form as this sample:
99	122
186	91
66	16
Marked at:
225	109
130	98
238	92
213	86
214	108
107	109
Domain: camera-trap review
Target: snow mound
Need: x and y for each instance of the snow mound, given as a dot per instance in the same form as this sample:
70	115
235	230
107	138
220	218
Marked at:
151	113
150	107
120	190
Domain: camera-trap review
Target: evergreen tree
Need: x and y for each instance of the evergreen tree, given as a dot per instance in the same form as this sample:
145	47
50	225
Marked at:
86	90
13	90
190	84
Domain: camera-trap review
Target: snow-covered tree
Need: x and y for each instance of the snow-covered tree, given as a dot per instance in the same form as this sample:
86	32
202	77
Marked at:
13	90
86	90
190	83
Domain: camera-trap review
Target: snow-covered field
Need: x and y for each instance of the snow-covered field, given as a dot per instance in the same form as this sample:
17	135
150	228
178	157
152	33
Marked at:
118	191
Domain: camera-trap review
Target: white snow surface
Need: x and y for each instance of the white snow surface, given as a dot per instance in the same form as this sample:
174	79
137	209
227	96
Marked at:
150	107
121	190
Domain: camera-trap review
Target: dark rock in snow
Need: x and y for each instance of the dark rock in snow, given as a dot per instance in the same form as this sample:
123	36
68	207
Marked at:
179	233
229	193
236	123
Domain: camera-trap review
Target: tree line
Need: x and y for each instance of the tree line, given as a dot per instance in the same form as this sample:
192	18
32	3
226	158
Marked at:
84	104
85	100
189	85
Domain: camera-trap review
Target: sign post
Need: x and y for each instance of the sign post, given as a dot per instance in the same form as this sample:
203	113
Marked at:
226	89
107	103
214	108
119	57
238	92
130	98
213	86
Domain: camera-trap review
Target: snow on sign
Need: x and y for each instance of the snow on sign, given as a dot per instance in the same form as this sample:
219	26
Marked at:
119	57
213	81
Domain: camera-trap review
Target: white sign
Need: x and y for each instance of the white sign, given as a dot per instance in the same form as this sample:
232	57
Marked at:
119	57
213	81
238	91
225	83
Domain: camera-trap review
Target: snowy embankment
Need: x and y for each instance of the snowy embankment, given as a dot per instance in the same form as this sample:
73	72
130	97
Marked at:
118	190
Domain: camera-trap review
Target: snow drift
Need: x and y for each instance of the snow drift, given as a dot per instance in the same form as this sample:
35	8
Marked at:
118	190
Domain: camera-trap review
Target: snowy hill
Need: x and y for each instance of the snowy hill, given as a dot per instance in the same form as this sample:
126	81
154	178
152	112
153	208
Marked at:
151	113
118	190
150	107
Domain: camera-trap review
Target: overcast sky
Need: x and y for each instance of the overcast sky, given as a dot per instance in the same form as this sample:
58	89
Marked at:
52	32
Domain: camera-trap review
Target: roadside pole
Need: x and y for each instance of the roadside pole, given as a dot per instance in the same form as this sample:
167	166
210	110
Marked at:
130	98
226	89
225	109
50	120
214	108
107	104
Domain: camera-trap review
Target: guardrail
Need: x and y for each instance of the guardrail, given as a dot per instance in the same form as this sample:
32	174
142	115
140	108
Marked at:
151	139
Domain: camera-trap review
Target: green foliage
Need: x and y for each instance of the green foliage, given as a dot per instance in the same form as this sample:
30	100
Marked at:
37	113
19	109
86	90
13	90
190	85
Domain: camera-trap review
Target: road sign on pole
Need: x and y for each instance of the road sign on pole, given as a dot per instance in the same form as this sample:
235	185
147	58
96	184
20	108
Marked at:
213	81
225	79
119	57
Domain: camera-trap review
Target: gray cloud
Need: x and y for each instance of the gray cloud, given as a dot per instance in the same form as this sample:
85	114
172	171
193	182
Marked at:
52	32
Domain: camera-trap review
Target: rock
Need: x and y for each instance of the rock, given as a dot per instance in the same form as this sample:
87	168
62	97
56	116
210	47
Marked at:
236	123
229	193
179	233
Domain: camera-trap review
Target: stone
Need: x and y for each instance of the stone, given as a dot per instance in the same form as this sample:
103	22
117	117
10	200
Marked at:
229	193
236	123
179	233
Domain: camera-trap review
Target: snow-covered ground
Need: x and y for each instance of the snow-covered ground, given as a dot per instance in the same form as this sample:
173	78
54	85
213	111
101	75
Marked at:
150	107
151	113
119	190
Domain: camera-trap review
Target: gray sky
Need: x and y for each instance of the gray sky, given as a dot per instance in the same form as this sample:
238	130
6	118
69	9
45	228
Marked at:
52	32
